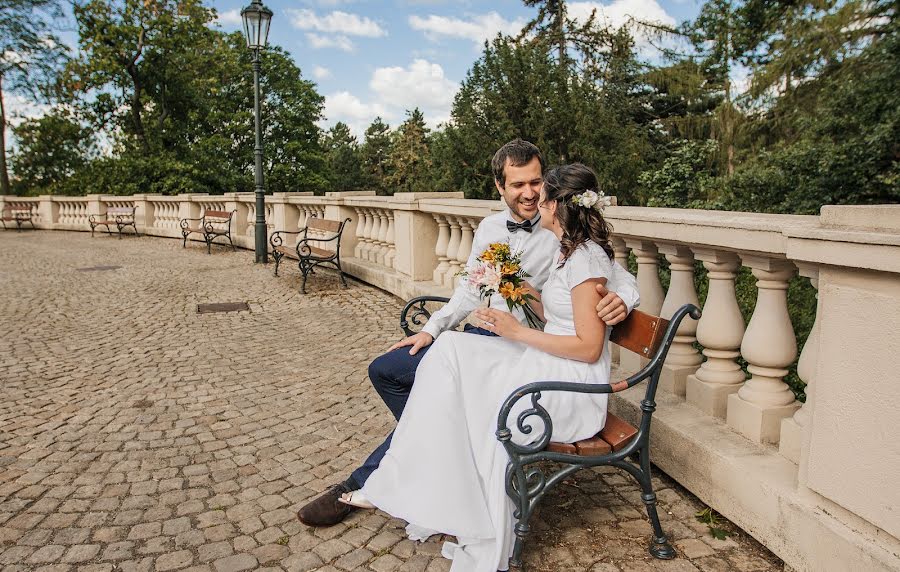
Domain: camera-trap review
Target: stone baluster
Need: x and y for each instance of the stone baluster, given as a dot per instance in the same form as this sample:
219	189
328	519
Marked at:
453	265
382	238
650	289
376	230
360	232
769	346
683	358
467	228
440	248
720	332
391	255
367	234
792	428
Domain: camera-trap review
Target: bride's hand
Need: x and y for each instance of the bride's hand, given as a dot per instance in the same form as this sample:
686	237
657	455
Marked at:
497	322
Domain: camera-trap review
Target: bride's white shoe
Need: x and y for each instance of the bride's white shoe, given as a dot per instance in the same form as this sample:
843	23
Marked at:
356	498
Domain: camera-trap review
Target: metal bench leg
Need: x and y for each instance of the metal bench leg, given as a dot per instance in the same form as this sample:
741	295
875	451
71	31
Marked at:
277	256
233	249
208	244
184	241
305	270
92	230
659	547
341	272
516	473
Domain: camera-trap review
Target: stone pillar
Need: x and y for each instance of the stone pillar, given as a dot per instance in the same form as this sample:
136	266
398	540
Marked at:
440	249
683	359
792	428
650	290
720	332
48	212
453	265
382	237
143	214
242	213
467	228
769	346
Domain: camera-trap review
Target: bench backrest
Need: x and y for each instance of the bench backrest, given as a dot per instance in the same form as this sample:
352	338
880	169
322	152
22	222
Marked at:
640	332
121	211
325	225
18	210
224	215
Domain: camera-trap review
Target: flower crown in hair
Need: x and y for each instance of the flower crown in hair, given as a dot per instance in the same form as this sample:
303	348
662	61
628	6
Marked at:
591	199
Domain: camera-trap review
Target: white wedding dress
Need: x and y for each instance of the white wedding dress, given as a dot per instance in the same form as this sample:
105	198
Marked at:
445	469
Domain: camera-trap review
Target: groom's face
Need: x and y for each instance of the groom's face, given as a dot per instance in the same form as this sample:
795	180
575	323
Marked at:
522	189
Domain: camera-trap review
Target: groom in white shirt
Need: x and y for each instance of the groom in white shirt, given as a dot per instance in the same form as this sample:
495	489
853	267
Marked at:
518	175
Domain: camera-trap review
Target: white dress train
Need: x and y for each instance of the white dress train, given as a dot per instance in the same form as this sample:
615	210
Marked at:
445	469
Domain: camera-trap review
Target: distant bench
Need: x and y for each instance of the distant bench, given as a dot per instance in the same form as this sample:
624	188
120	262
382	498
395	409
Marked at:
121	217
212	225
311	255
17	214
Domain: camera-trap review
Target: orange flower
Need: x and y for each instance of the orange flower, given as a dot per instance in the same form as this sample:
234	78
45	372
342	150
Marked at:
509	268
508	291
487	255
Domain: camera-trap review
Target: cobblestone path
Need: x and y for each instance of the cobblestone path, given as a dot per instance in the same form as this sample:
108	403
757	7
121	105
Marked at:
137	434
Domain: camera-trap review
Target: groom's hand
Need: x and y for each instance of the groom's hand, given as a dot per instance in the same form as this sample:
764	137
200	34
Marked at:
417	341
611	308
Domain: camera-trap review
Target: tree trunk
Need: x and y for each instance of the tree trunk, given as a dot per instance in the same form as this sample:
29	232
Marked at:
136	109
4	173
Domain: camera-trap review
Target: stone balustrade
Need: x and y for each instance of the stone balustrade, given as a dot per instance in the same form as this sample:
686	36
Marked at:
813	481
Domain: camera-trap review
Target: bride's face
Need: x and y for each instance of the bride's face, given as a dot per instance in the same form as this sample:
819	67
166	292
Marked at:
548	212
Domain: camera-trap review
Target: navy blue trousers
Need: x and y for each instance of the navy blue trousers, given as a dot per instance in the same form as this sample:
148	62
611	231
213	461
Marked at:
393	374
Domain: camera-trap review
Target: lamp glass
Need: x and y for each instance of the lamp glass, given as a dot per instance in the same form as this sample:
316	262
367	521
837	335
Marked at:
256	25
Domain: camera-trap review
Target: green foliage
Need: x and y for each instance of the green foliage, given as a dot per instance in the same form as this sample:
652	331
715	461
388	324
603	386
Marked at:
710	518
29	55
410	160
375	156
344	158
685	179
50	150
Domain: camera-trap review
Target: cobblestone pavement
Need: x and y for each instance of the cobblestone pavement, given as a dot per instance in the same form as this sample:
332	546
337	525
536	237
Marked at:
136	434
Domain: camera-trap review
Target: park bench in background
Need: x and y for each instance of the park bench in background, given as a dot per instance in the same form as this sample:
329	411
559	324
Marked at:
211	225
644	334
121	217
321	246
18	215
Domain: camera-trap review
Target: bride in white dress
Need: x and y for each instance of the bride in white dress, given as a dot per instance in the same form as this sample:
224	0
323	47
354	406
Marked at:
445	469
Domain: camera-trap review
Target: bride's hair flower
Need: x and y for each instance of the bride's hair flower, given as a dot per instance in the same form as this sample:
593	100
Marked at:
591	199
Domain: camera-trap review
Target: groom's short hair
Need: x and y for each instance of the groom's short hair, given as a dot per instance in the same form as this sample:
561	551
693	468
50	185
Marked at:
519	152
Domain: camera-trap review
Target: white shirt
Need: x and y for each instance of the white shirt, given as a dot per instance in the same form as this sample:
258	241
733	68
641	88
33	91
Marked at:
540	250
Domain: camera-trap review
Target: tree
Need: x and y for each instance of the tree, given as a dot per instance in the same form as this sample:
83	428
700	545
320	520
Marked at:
343	156
50	150
375	154
29	55
410	160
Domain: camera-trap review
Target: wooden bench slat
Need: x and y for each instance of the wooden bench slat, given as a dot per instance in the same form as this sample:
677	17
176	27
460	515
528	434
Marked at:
616	434
324	224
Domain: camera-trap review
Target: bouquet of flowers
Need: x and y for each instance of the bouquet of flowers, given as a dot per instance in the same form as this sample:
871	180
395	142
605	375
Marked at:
498	270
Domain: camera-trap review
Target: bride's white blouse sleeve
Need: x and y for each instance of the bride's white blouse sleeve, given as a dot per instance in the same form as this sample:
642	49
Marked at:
587	262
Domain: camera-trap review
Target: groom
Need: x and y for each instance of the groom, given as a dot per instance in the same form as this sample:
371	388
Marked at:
518	175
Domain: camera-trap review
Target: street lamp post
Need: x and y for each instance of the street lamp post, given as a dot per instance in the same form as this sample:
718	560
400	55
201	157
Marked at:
256	19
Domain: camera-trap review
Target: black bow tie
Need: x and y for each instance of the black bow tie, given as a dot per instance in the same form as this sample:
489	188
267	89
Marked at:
513	226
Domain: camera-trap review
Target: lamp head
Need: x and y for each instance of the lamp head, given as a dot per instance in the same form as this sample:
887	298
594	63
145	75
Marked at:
256	19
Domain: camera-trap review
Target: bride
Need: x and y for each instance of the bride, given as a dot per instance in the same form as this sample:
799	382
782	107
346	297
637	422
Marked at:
445	470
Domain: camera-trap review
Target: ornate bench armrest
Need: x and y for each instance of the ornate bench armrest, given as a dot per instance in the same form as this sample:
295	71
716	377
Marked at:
419	312
277	240
651	370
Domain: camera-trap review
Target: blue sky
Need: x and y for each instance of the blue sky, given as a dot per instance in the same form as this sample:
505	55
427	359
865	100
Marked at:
372	58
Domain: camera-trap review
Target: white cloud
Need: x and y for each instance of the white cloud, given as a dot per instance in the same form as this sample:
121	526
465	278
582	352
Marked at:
476	28
622	13
229	18
319	41
321	73
422	84
336	22
394	90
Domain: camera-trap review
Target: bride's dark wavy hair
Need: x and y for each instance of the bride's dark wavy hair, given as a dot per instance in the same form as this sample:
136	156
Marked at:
579	224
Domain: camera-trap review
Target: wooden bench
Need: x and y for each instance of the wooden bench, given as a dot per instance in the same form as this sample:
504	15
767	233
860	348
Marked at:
309	251
18	215
645	334
121	217
211	225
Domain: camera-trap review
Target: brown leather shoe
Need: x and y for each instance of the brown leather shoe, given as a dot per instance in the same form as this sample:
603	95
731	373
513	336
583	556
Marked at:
326	510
